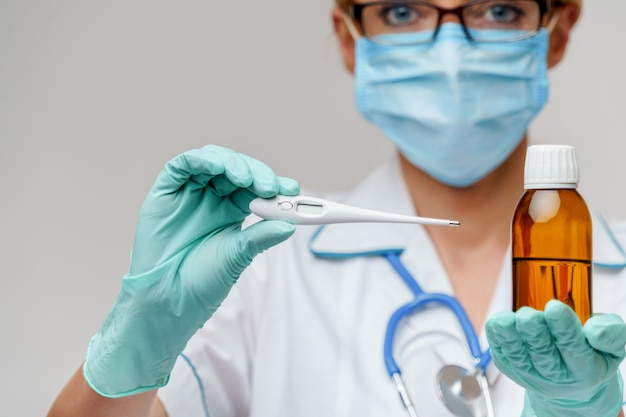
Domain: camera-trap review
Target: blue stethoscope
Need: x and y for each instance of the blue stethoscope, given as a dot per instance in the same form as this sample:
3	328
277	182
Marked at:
453	396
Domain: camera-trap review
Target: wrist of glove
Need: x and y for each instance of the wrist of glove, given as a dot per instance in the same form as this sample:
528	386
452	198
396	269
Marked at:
118	362
607	401
189	250
566	369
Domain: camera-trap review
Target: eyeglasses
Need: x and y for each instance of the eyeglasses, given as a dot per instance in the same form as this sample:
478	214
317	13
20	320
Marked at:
414	22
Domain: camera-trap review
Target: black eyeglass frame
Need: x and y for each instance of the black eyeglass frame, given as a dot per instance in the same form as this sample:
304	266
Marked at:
356	11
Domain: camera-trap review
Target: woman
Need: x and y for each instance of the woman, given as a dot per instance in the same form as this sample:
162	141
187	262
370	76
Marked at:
454	84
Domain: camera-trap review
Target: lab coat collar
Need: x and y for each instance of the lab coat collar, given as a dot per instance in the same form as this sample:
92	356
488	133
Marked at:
385	190
608	252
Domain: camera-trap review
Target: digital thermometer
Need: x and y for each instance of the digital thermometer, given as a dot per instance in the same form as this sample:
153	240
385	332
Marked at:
315	211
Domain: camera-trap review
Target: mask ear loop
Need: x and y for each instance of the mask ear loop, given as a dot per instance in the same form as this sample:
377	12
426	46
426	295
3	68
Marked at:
352	30
553	21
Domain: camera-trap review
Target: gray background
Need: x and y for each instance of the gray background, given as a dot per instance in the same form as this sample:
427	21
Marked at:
96	96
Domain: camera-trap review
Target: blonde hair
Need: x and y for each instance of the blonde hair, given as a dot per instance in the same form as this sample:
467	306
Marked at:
344	4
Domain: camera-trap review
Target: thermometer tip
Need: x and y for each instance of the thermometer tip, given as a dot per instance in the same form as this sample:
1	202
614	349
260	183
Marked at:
455	223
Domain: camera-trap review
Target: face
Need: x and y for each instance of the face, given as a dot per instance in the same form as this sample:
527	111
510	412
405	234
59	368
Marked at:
559	37
420	81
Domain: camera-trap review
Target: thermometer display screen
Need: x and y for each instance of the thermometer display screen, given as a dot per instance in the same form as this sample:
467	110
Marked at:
310	209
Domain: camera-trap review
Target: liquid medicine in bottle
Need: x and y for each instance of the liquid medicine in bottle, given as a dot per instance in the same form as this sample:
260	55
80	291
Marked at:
551	239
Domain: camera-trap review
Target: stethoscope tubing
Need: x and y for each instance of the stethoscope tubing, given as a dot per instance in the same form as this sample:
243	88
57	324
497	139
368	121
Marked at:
422	299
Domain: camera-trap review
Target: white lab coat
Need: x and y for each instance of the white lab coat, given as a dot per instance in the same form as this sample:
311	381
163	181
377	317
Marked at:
301	333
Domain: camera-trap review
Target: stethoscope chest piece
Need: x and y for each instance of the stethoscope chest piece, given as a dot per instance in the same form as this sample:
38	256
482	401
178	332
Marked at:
464	393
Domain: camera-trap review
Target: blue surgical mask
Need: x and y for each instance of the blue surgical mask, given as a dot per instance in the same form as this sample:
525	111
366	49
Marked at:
454	108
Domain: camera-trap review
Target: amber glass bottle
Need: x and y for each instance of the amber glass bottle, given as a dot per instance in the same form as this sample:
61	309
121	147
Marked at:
551	234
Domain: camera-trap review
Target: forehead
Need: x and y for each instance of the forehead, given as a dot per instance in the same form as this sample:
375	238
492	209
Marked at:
443	3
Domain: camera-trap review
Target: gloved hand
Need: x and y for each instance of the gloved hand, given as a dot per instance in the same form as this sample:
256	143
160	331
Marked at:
189	250
566	369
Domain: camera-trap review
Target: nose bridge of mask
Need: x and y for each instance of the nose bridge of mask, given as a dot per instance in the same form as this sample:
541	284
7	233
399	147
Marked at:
451	35
445	54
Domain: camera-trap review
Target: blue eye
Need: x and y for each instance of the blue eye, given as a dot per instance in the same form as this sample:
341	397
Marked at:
398	15
503	14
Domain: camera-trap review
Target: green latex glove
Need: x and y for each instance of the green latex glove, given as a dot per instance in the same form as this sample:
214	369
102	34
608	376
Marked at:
566	369
189	250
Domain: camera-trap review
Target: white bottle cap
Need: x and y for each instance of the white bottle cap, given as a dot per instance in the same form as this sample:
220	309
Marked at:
550	166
